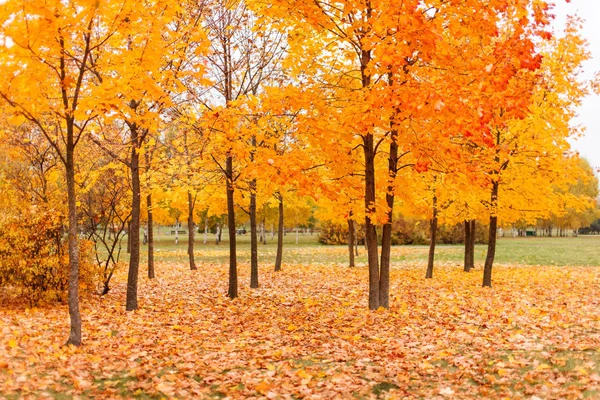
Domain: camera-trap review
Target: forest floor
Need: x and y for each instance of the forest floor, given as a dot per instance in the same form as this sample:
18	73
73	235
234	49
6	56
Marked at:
307	333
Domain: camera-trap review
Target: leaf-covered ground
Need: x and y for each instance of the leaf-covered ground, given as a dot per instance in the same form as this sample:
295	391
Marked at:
306	333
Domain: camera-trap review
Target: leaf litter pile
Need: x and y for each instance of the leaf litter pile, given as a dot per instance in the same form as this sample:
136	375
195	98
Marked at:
307	333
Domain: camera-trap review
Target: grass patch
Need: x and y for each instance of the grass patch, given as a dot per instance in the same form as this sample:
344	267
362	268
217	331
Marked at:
383	387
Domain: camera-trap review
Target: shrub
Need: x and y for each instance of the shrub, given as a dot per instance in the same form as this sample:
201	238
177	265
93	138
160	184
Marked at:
34	259
404	231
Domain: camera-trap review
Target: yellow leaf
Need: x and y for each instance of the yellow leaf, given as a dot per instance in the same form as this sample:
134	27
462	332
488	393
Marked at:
303	374
542	367
263	387
12	343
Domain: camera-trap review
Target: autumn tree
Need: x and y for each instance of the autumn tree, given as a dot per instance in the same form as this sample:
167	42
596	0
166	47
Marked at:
244	57
48	52
149	61
527	133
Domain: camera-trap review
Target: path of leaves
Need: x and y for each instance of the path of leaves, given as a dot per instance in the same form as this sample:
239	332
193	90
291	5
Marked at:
306	334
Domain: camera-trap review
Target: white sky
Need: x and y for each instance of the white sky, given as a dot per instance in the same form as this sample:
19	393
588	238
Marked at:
589	113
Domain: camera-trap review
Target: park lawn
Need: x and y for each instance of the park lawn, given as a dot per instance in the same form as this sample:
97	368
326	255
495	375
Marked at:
559	251
306	333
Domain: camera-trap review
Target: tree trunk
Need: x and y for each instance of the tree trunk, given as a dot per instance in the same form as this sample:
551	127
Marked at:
75	316
177	231
469	245
369	152
386	239
433	228
351	242
150	238
467	266
473	230
253	238
489	259
279	256
233	281
370	230
134	232
296	235
191	231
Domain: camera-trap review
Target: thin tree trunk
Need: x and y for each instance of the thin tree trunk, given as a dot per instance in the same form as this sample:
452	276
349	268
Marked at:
386	239
467	237
473	230
369	153
233	280
279	255
253	238
351	242
191	231
370	230
296	235
489	259
150	238
134	259
468	234
433	228
75	316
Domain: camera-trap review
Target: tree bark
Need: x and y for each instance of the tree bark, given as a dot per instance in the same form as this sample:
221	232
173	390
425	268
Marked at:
370	230
351	242
433	223
279	255
75	316
233	279
134	227
191	231
469	236
150	238
386	239
473	230
253	237
491	252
